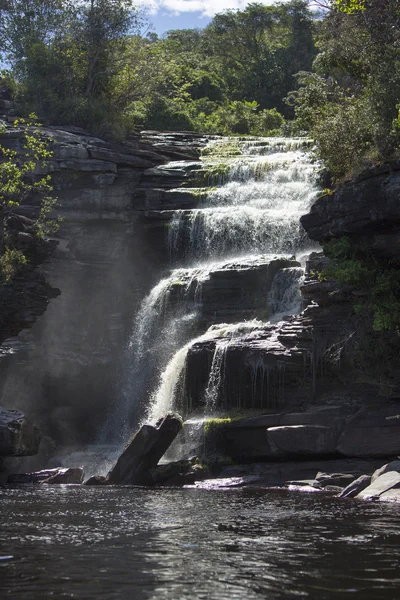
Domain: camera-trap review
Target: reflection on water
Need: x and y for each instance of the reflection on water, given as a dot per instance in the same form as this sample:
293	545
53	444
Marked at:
122	543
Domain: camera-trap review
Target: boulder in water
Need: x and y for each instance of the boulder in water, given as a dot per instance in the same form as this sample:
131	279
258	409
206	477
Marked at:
144	451
382	484
356	487
57	475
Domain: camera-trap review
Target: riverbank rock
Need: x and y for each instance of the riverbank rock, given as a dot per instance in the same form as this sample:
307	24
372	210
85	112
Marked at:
392	466
178	473
376	491
371	432
18	437
71	475
357	486
144	451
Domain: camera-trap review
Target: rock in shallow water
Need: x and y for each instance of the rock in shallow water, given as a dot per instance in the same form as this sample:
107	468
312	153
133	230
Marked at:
96	480
356	487
144	451
382	484
51	476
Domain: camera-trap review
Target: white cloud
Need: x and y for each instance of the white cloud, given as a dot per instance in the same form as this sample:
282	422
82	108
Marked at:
207	8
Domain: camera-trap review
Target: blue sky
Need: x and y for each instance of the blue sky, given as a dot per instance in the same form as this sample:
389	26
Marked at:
188	14
164	20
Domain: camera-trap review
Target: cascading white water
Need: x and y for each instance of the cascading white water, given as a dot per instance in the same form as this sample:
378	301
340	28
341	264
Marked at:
256	210
264	186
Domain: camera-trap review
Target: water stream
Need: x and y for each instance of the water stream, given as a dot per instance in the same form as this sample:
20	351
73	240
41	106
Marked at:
248	216
118	543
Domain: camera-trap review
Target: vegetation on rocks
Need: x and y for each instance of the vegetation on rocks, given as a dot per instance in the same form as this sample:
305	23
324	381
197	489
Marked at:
20	177
377	282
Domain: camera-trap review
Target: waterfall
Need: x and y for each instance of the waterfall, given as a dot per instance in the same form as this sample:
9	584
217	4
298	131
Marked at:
247	217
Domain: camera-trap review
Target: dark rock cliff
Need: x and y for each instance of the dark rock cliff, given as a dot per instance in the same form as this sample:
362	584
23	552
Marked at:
116	202
367	209
105	257
318	360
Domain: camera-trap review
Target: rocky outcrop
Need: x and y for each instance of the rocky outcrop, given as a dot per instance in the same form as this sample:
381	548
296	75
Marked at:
366	209
230	292
144	451
317	432
281	365
108	256
18	437
26	296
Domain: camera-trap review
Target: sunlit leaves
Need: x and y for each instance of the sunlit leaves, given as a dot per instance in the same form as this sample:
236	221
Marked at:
20	177
350	6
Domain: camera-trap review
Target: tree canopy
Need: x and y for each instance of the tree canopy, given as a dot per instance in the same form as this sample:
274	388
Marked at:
334	76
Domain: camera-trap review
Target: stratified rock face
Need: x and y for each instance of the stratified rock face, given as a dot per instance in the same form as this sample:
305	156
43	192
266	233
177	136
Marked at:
367	209
25	298
144	451
372	432
18	437
318	432
107	258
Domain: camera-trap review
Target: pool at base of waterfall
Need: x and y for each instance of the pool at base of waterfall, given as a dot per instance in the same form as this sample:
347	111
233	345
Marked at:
133	543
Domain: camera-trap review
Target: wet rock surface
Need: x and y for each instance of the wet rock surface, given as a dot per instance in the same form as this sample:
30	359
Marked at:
144	451
26	296
59	475
18	436
104	261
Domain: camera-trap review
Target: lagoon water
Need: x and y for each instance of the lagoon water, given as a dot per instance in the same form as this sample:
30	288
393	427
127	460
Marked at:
119	543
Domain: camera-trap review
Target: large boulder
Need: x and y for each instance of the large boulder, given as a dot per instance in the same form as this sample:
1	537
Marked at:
18	437
144	451
302	440
394	465
371	432
57	475
356	487
381	485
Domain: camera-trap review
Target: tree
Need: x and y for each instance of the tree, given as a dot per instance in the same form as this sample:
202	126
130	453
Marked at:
260	48
18	181
100	34
24	23
358	69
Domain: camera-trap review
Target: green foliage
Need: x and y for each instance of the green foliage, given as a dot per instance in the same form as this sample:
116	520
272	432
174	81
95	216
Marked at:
349	6
210	425
11	262
66	55
86	64
340	248
378	282
260	48
19	178
348	104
